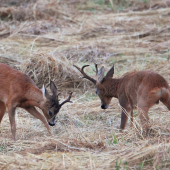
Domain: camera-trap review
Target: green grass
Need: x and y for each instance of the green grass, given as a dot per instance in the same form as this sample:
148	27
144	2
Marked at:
118	163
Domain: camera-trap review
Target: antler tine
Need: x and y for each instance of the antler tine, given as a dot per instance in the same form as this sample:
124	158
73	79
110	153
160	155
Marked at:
68	99
84	74
96	68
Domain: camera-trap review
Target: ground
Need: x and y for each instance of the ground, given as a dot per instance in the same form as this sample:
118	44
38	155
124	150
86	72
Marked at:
44	39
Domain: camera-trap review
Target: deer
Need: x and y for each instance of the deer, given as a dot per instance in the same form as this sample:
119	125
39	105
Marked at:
19	90
137	89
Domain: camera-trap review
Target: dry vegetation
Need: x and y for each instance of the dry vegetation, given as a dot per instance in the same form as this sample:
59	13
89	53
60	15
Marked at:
44	38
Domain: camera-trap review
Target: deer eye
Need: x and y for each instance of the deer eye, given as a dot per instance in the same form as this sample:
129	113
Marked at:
97	92
50	113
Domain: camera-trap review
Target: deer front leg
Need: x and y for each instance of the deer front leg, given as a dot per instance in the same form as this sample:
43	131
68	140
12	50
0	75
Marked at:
11	114
33	111
126	108
2	110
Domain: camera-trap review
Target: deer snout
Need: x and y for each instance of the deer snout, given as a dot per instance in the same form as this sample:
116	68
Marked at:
104	106
52	121
51	124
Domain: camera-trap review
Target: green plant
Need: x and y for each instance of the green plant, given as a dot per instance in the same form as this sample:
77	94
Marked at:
145	1
114	138
135	113
1	148
125	167
141	165
117	167
100	2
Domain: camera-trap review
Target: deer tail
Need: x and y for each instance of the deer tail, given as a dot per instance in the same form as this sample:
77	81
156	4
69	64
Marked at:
165	97
159	92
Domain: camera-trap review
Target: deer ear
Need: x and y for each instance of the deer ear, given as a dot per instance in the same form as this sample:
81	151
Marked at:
53	89
100	74
45	93
110	72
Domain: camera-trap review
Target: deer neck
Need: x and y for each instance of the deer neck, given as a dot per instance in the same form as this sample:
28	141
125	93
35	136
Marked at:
114	86
36	98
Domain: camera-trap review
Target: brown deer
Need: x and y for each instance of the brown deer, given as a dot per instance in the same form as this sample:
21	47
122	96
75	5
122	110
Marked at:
18	90
140	89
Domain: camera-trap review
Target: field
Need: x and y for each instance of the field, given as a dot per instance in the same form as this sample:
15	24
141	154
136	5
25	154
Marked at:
44	38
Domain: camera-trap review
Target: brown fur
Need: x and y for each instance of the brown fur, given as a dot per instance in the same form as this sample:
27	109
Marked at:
18	90
140	89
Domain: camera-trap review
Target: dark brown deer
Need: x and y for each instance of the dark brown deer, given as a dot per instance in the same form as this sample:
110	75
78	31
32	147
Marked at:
18	90
140	89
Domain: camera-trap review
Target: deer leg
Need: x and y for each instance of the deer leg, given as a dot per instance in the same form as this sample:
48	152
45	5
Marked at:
131	118
11	114
125	110
145	102
33	111
144	118
143	108
2	110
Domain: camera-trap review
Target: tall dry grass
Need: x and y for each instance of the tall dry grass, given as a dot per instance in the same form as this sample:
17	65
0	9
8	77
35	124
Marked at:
44	40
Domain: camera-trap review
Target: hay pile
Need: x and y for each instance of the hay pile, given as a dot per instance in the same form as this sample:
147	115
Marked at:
42	68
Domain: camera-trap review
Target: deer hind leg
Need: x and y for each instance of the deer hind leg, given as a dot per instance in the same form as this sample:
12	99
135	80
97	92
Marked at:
143	115
131	118
145	102
33	111
2	110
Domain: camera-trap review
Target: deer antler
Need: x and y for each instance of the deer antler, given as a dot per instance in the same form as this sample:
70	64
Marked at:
67	100
96	68
84	74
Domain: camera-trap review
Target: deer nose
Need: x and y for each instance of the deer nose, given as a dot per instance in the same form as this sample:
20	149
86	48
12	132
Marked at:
103	106
51	124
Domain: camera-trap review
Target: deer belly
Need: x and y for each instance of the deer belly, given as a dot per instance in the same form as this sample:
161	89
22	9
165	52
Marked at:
3	98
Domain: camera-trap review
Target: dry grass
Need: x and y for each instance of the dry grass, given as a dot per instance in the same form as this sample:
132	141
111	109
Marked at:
44	40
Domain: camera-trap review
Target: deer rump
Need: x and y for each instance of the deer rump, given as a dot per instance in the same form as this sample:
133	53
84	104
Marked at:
139	90
142	90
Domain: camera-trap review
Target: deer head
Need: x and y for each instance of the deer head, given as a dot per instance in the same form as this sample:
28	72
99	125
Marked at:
102	84
53	102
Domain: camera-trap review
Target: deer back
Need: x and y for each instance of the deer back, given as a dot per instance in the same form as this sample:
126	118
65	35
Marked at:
134	84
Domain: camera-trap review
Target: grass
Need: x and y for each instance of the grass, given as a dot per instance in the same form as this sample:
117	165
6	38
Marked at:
46	45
